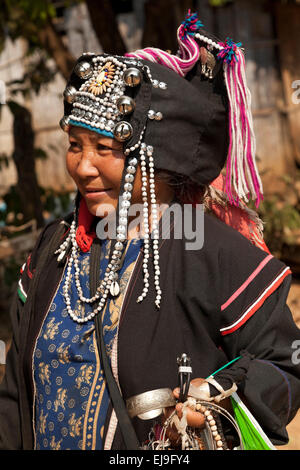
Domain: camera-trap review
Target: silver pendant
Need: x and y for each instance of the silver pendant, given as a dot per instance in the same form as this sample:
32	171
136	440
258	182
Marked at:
208	62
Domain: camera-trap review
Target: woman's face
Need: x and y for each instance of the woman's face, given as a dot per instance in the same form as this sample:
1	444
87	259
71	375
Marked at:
96	165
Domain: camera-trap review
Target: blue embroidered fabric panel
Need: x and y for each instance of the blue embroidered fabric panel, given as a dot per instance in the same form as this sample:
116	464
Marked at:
71	399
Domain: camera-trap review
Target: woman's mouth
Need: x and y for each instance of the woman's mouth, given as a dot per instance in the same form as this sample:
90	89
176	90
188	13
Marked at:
95	193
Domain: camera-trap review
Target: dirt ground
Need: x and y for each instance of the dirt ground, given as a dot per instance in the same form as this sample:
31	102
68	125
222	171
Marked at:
294	434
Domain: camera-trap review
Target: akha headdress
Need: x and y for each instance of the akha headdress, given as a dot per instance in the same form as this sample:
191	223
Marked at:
188	113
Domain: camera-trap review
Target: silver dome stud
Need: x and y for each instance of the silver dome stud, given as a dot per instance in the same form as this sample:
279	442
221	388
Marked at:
64	123
125	105
132	77
123	131
151	114
83	70
69	94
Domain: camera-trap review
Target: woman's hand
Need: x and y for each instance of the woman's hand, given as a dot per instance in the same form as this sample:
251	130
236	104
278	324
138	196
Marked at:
195	419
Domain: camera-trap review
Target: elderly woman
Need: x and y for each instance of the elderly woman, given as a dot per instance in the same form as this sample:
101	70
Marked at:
101	319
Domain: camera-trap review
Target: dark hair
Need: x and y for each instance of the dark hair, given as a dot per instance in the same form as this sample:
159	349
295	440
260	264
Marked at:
186	190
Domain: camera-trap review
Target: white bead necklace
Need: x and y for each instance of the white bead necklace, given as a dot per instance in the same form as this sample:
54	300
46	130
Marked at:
109	284
148	151
104	286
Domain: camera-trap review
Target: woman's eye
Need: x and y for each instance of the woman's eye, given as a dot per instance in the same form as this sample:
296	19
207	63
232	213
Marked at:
73	145
103	147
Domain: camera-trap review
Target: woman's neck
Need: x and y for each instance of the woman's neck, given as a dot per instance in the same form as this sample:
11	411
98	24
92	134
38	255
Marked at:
135	223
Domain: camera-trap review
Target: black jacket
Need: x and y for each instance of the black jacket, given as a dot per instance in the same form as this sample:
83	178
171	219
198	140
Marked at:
217	301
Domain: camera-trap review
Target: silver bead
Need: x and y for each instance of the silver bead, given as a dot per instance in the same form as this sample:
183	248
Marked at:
129	178
123	221
133	161
158	116
121	237
125	105
83	70
64	123
69	94
123	131
125	203
151	114
123	212
149	149
80	112
126	195
109	113
128	187
162	85
131	169
132	77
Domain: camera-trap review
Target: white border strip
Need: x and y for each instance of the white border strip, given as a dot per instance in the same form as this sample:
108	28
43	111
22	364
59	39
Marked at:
21	288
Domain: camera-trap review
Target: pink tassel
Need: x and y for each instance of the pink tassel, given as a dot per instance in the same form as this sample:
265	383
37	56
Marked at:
242	178
182	63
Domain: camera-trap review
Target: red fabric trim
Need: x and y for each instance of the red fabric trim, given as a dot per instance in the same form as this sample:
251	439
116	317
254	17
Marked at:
30	274
258	305
65	233
84	236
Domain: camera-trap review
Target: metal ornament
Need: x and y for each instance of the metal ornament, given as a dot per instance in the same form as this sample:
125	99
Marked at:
103	80
184	376
125	105
69	94
83	70
149	405
64	123
123	131
151	114
208	62
132	77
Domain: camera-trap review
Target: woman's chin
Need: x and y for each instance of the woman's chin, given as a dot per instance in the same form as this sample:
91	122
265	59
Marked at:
100	209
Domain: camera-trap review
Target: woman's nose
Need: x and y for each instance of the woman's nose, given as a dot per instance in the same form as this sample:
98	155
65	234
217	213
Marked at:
86	165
